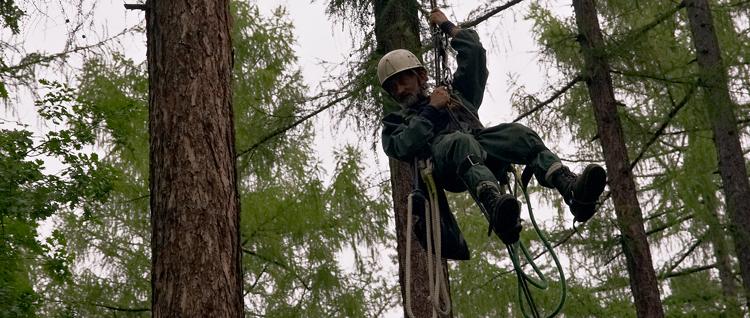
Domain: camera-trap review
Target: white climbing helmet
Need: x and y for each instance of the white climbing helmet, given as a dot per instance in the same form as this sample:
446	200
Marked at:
396	61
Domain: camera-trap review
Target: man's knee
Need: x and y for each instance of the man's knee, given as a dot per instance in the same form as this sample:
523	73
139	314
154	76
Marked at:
522	131
455	145
451	149
455	139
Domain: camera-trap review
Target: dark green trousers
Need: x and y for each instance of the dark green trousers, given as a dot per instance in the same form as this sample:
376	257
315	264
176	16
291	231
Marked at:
498	147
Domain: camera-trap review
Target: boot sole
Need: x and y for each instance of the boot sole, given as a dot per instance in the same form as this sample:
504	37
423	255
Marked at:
596	180
508	222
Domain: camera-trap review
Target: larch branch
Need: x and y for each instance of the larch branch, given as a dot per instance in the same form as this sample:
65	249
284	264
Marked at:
663	126
299	121
489	14
682	257
554	96
136	6
689	271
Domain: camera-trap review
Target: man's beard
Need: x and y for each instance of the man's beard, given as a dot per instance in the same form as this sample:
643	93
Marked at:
410	101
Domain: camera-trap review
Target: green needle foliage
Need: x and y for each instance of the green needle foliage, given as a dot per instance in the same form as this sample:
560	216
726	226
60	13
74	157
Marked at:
655	78
312	246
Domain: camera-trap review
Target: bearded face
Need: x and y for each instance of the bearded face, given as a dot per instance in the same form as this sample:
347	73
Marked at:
409	100
407	88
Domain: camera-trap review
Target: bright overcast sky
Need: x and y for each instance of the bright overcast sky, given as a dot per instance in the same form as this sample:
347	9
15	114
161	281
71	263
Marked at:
511	53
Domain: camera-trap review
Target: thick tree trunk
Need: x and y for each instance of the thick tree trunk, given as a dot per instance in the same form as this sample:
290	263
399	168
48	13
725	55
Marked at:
720	110
397	27
194	203
629	216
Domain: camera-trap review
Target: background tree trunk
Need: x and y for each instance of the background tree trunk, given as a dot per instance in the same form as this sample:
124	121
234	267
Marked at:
629	216
194	206
720	108
722	250
397	27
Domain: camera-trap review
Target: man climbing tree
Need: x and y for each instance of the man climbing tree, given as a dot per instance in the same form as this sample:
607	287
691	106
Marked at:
194	204
444	125
397	26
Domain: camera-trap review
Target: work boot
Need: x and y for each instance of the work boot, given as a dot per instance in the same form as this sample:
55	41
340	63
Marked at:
579	192
504	211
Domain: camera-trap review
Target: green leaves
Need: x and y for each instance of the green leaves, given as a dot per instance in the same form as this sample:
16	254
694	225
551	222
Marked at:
29	195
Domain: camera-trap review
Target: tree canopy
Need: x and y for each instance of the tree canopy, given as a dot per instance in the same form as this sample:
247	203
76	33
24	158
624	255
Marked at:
320	241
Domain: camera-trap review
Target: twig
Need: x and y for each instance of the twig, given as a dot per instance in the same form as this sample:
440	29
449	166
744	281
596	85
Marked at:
554	96
682	257
689	271
651	77
115	308
49	58
279	264
663	126
136	6
634	35
468	24
297	122
652	231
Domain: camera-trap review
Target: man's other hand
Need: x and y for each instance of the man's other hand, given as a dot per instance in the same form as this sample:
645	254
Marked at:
440	97
437	17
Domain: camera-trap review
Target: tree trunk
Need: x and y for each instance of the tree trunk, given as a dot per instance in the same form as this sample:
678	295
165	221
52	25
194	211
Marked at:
629	216
397	27
194	202
717	236
720	108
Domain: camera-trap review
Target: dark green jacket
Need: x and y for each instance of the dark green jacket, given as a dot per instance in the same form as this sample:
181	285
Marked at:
407	133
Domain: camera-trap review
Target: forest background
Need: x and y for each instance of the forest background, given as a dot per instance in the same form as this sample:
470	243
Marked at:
316	207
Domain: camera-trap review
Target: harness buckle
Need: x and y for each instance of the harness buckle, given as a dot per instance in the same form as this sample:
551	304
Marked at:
473	160
468	162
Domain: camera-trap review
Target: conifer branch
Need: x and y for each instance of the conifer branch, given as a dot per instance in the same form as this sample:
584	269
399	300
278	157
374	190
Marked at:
682	257
279	264
136	6
110	307
652	231
489	14
663	126
684	131
48	58
651	76
123	309
634	35
670	224
689	271
299	121
554	96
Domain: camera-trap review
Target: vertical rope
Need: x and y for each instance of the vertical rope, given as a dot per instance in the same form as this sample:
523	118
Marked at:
438	286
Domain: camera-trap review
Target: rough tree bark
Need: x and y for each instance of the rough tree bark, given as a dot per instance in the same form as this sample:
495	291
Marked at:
643	281
720	109
397	27
194	203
